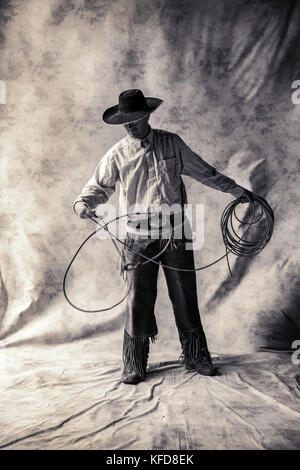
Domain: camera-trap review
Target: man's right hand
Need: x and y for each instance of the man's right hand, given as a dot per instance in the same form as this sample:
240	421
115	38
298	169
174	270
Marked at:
83	210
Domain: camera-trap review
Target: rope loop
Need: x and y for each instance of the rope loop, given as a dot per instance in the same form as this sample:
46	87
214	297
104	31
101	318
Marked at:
238	246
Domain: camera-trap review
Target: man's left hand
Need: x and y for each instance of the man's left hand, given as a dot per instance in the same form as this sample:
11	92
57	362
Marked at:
247	196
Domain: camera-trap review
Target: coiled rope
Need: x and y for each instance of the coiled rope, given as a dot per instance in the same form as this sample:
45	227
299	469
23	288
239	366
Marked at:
234	244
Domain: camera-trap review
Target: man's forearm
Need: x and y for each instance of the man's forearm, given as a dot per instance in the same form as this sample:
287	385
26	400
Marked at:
228	185
222	183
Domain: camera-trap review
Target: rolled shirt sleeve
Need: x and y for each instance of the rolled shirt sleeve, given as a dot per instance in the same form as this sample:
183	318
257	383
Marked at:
194	166
101	185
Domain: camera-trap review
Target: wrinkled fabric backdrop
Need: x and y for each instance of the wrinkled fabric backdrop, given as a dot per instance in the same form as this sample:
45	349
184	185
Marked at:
224	70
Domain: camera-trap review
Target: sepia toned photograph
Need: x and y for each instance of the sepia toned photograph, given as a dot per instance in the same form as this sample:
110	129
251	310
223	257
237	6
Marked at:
149	223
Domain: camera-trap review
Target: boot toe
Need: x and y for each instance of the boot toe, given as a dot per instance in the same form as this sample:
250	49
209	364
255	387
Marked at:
133	378
203	368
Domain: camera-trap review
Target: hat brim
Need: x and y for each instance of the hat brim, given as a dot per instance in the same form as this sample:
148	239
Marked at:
113	116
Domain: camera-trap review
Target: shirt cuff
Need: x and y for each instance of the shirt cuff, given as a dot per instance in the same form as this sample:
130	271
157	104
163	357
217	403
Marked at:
75	202
237	191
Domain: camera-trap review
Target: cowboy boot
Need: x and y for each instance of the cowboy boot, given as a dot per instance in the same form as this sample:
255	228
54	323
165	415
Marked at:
135	357
195	353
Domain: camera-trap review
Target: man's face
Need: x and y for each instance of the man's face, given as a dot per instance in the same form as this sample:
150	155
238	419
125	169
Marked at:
139	128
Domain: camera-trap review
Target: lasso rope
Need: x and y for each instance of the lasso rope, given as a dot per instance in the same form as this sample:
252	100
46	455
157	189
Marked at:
234	244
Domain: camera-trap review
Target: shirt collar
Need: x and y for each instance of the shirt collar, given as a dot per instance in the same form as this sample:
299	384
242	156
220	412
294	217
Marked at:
144	140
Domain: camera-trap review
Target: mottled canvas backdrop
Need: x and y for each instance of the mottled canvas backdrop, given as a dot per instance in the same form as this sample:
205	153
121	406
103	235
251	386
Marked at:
224	70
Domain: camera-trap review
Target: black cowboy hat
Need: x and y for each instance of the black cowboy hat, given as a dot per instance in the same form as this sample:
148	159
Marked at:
132	106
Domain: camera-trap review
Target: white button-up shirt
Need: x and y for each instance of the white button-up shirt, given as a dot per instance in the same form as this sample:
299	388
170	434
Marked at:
149	171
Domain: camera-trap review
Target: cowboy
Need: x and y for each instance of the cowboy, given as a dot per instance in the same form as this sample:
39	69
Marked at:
149	163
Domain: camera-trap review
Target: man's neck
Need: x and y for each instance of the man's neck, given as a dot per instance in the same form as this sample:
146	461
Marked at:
148	130
147	133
